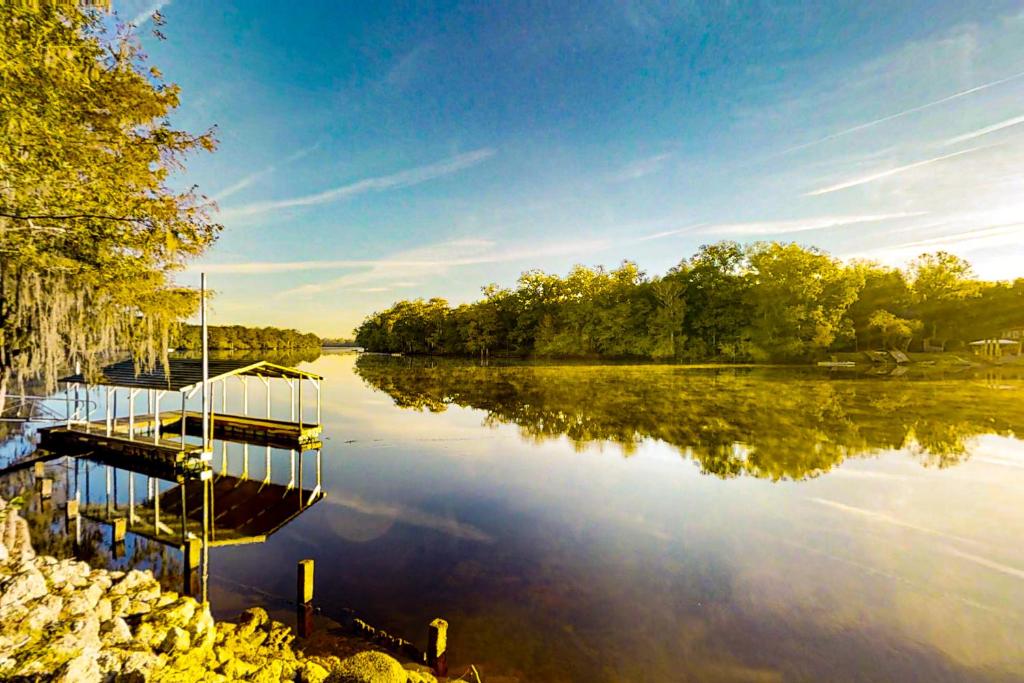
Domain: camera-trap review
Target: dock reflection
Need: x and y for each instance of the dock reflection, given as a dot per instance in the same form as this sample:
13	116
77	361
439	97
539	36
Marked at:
191	511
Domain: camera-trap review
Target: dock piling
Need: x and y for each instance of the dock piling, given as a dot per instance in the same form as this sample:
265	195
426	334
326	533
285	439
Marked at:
304	598
437	646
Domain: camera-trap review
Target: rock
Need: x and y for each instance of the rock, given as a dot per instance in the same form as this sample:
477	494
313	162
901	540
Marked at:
250	620
369	667
119	605
83	601
311	672
138	667
133	582
43	612
236	668
104	610
115	631
82	669
83	635
23	587
177	640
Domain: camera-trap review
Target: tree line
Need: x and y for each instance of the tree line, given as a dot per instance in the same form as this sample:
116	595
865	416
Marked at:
766	301
238	337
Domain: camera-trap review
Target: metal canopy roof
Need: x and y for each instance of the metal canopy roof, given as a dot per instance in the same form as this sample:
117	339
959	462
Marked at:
185	373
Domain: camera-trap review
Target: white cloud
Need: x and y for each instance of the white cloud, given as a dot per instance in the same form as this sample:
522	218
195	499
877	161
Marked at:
407	178
642	167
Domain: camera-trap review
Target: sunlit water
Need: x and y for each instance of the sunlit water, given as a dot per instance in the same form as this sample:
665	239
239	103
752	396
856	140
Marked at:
657	523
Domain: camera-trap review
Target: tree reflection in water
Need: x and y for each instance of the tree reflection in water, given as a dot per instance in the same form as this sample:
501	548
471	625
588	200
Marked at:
771	423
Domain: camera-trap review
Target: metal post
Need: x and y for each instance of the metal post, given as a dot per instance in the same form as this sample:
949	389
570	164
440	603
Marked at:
182	420
108	406
266	466
300	406
131	414
245	395
206	366
245	461
156	506
266	382
291	402
113	412
317	384
110	484
291	480
156	416
67	402
131	498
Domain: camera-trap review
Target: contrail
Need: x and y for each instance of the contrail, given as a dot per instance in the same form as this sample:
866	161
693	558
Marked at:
900	114
863	180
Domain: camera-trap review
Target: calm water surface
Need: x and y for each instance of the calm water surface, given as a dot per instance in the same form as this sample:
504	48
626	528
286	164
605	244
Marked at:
620	523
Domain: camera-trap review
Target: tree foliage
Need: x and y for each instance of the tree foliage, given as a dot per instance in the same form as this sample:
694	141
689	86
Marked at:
766	301
90	226
240	338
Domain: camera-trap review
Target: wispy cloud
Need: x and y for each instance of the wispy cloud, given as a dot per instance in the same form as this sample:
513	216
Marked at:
879	175
882	518
803	224
987	563
642	167
146	14
905	112
1016	121
438	259
248	180
407	178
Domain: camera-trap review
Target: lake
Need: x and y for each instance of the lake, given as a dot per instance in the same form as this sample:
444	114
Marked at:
648	523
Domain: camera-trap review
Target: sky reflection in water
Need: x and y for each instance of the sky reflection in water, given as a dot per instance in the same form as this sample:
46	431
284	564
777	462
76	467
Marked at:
764	525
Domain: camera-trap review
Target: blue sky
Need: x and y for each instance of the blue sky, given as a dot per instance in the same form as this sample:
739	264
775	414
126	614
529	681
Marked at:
372	151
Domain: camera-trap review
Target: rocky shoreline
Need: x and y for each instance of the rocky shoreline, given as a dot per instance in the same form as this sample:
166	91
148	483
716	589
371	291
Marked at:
62	620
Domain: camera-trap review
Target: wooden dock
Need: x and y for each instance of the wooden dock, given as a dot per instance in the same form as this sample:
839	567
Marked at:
161	455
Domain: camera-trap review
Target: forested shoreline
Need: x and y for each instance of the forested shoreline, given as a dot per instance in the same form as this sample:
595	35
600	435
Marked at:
762	302
240	337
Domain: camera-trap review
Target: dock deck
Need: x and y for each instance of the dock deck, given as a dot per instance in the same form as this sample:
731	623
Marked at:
92	440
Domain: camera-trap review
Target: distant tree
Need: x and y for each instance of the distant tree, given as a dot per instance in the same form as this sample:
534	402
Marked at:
717	307
799	298
884	288
667	321
942	283
895	332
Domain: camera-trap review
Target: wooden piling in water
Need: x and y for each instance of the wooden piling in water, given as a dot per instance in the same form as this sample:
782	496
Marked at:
304	598
191	555
44	485
437	646
120	526
39	469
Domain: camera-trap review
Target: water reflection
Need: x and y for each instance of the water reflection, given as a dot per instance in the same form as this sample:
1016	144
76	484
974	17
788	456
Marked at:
120	511
773	423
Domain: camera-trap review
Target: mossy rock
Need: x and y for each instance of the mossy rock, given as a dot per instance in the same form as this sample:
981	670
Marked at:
369	667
